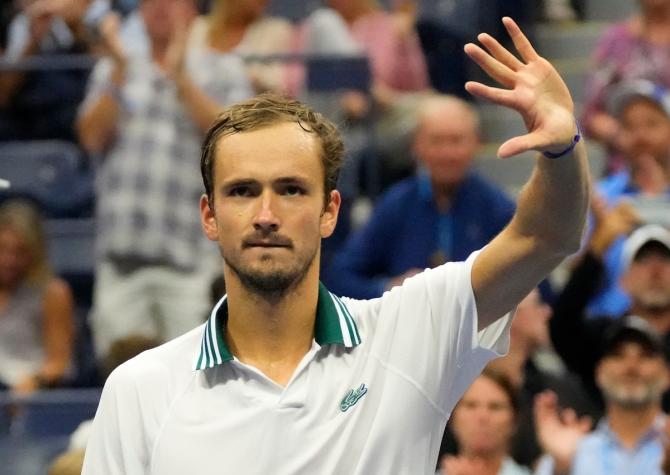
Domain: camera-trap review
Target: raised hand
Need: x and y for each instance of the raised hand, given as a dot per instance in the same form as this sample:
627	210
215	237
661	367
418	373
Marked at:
558	432
531	86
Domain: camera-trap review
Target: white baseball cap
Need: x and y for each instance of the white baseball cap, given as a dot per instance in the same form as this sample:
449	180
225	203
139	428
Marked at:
640	237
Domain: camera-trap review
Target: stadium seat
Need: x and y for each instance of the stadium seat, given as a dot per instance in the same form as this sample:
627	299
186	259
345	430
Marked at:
51	173
53	413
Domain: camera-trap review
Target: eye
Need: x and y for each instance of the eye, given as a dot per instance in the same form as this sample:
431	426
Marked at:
240	191
293	190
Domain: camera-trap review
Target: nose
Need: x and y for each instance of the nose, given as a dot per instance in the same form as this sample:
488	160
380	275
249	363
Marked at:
266	220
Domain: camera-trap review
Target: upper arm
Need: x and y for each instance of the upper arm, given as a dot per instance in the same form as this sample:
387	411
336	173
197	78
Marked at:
505	271
58	309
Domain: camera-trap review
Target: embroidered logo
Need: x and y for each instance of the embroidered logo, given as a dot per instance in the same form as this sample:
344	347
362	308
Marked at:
352	397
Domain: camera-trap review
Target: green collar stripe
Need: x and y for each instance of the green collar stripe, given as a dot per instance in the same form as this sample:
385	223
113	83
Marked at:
333	325
349	333
351	325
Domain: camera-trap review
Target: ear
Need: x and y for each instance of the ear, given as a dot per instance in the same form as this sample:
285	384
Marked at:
330	213
208	219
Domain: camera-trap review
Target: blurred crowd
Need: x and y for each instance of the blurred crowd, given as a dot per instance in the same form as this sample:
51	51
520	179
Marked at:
134	86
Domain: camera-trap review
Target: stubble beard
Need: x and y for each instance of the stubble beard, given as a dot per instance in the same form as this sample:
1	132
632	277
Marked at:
271	285
633	399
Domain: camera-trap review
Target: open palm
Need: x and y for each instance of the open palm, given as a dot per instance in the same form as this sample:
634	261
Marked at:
531	86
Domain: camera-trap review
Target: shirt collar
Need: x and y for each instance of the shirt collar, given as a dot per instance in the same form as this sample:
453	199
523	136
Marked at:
333	325
656	430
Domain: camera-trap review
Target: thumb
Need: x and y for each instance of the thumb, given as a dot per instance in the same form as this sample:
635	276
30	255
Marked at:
517	145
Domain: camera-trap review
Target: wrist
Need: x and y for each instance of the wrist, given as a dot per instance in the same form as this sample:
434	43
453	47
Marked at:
559	151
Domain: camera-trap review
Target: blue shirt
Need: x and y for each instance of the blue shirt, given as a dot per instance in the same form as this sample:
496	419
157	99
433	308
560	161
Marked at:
611	299
601	453
407	231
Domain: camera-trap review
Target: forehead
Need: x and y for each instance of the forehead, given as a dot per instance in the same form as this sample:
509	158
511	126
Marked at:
446	119
283	149
643	107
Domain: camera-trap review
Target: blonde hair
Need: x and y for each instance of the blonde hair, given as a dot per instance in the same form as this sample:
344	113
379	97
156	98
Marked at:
25	220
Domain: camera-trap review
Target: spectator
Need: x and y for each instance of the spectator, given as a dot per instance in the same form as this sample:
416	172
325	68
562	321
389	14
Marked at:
36	323
146	113
444	26
442	214
632	375
643	109
241	27
350	28
354	27
484	422
646	278
636	48
42	103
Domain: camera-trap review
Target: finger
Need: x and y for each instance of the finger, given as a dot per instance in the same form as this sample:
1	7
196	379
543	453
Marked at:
569	417
499	52
503	97
517	145
490	65
520	41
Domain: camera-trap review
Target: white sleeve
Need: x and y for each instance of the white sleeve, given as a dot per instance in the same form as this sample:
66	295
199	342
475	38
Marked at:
117	444
18	35
427	330
98	82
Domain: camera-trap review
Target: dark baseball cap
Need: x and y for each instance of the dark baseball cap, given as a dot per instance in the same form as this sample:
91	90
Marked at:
631	329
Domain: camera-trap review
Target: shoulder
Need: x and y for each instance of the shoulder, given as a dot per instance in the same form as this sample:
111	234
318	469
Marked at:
615	34
488	191
57	291
402	192
166	366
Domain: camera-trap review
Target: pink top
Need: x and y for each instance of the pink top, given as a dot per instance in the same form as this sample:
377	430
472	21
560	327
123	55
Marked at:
621	55
396	60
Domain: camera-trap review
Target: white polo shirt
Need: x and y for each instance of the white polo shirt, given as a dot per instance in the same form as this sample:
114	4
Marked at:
371	396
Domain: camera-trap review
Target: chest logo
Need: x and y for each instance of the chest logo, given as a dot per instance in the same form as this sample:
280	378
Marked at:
352	397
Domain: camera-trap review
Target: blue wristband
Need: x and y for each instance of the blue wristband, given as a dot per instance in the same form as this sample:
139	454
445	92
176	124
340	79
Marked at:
571	147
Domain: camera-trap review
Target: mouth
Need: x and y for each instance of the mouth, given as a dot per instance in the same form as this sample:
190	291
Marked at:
266	245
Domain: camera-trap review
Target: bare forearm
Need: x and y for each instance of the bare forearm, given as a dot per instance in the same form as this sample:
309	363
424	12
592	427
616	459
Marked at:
97	123
552	206
12	81
202	108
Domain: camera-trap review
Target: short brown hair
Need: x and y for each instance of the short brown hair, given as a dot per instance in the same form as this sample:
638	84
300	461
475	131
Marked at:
269	109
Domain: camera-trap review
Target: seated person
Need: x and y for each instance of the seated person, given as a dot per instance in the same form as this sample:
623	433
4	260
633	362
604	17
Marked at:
646	278
643	109
638	47
42	103
484	422
36	323
442	214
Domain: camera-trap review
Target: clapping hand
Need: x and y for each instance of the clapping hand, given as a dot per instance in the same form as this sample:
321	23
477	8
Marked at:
558	431
531	86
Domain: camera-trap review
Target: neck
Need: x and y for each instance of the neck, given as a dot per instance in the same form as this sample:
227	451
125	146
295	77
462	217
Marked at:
631	424
355	12
227	26
443	195
226	15
658	318
159	51
491	461
272	334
